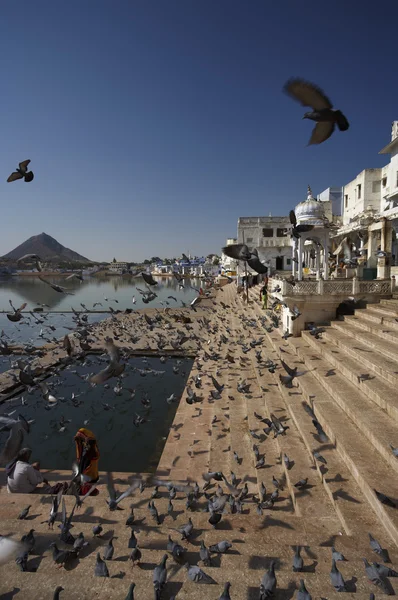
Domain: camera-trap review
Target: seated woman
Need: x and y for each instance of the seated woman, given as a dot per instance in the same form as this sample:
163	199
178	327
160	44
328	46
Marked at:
24	478
87	455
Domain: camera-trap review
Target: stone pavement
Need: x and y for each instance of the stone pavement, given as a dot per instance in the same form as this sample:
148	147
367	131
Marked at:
337	507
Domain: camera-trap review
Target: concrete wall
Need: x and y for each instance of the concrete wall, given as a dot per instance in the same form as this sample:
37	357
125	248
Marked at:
333	198
369	180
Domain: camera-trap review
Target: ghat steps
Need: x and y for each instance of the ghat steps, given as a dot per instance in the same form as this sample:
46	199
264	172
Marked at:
338	506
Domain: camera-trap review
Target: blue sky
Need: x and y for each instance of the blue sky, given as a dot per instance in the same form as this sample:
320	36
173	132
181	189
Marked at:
152	125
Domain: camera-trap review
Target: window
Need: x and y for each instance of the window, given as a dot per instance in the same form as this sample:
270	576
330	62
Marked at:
396	182
359	190
268	232
281	232
384	181
346	201
288	261
249	240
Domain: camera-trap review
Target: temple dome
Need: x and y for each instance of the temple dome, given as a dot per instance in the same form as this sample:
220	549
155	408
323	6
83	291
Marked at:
310	211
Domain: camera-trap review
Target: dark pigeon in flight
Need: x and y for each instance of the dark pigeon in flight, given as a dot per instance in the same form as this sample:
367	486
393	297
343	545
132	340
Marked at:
22	173
323	113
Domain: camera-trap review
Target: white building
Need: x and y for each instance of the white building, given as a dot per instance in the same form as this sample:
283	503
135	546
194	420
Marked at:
271	237
229	266
332	198
370	211
118	267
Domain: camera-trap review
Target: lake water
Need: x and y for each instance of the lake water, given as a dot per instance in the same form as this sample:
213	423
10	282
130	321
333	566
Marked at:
33	291
122	445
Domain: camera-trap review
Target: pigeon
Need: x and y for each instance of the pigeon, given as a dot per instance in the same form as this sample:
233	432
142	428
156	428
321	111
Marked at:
57	288
17	314
204	554
382	552
130	593
113	502
309	94
57	592
302	592
175	548
220	547
394	450
114	368
287	380
62	557
319	457
159	577
22	173
132	540
225	595
148	279
97	530
15	439
196	574
100	570
109	550
298	562
268	582
135	555
24	513
374	576
337	555
336	578
186	530
29	541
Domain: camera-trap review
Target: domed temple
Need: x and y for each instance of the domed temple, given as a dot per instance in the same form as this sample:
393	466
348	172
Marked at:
311	249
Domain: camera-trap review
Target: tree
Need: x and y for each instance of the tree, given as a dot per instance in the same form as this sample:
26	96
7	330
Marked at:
216	260
114	260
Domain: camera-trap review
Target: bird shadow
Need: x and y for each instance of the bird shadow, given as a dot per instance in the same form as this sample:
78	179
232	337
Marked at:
32	517
262	563
11	594
340	493
34	563
310	568
120	575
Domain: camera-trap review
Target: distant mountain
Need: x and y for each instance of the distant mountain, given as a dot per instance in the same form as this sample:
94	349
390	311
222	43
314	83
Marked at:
47	248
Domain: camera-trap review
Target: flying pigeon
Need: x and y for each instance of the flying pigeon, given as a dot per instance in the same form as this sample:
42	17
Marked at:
22	173
148	279
309	94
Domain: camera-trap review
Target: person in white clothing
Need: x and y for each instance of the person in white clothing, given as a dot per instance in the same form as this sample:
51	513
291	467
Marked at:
22	477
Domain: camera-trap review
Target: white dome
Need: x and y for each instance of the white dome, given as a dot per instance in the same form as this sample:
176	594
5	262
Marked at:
310	211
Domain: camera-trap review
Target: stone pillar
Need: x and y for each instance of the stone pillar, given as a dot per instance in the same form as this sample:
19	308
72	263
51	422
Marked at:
383	267
371	259
294	257
318	263
325	264
300	259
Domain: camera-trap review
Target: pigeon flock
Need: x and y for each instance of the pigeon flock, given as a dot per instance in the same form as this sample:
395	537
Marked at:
196	525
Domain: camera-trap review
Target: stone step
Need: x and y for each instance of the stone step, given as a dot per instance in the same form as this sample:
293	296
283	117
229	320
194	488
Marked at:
382	346
372	316
370	472
375	388
245	583
377	363
375	423
382	331
391	302
384	310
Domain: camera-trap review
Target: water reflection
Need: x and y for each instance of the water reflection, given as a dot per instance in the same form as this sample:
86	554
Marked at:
91	290
123	447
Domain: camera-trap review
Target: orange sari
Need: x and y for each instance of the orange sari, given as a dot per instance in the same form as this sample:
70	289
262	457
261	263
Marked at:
87	454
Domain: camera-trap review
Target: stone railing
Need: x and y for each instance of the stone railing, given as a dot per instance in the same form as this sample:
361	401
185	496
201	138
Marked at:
334	287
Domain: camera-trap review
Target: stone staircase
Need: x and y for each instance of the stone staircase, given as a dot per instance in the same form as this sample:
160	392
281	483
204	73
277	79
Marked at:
337	507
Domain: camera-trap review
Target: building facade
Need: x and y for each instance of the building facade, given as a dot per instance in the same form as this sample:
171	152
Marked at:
270	236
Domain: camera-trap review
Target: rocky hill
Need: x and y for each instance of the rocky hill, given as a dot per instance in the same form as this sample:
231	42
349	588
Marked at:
47	248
